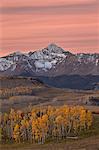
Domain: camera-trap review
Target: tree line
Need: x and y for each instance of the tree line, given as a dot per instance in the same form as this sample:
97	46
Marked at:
8	92
42	123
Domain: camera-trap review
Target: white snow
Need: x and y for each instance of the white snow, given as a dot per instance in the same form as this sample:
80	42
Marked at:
86	58
5	64
39	64
97	62
48	65
16	58
37	55
43	64
58	55
53	62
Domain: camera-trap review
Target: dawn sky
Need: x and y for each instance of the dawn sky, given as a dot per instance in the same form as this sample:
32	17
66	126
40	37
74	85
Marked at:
27	25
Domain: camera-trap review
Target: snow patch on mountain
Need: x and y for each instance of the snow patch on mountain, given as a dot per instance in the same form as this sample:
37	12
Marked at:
5	64
42	65
88	58
97	62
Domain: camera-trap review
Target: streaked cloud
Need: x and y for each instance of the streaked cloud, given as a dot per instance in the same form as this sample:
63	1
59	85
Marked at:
32	24
54	9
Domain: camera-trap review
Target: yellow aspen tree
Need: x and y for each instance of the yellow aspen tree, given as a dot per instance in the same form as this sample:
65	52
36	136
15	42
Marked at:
24	130
19	115
89	119
41	123
35	129
44	127
75	119
59	123
82	119
16	133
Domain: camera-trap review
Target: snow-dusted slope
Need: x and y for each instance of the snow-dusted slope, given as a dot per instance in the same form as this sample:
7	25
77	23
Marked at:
5	64
50	61
48	58
88	58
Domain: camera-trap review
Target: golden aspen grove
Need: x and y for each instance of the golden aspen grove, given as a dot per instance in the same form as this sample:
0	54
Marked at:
43	123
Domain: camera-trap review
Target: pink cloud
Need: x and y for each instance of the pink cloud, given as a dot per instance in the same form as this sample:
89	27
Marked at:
33	24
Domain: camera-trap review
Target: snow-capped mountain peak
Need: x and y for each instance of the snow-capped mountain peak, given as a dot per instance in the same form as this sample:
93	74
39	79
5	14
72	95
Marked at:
50	61
53	48
48	57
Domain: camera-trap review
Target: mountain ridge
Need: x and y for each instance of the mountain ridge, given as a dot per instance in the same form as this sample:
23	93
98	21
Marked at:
50	61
